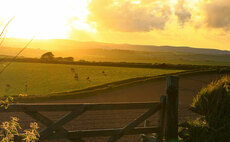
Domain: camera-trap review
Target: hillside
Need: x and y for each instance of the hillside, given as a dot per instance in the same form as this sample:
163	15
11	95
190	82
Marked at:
96	51
65	44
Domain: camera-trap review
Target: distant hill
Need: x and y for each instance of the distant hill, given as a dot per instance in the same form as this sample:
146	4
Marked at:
65	44
29	52
97	51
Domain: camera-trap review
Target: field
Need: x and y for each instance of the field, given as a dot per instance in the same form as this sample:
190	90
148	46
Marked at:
149	57
146	92
43	79
123	53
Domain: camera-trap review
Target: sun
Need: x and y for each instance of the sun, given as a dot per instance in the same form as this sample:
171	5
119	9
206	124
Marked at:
44	19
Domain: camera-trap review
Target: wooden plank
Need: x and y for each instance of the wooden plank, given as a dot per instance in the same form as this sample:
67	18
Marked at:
104	132
110	132
134	123
71	107
47	122
148	137
57	124
172	109
161	122
39	117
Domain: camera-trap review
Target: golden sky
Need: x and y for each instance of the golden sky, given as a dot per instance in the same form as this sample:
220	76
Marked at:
195	23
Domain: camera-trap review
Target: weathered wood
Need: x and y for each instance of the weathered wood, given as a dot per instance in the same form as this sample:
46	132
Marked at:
47	122
147	123
39	117
172	109
161	120
147	137
55	130
109	132
103	132
71	107
134	123
77	109
57	124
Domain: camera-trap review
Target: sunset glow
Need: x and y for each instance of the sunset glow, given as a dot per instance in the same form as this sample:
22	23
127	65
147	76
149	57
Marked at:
158	22
44	19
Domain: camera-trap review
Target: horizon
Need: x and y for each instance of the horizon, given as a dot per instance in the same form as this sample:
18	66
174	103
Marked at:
162	22
173	46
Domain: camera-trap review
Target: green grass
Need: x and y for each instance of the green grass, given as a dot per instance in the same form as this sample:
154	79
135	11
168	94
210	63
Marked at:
44	79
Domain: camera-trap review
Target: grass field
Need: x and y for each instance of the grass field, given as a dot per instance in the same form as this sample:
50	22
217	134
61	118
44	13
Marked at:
42	79
150	57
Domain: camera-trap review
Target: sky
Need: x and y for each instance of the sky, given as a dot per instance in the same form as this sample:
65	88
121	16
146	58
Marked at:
194	23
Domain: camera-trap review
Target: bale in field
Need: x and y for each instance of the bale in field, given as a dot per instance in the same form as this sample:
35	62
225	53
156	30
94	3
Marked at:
88	78
103	72
76	76
72	70
7	87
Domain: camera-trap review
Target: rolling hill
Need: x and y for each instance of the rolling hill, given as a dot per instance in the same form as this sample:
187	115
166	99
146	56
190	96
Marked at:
65	44
97	51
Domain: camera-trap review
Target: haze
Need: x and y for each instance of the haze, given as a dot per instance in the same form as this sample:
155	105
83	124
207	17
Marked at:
194	23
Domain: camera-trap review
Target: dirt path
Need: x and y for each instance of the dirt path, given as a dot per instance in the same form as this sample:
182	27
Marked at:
150	91
189	86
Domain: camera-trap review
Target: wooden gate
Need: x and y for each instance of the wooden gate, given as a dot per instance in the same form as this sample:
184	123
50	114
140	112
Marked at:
167	108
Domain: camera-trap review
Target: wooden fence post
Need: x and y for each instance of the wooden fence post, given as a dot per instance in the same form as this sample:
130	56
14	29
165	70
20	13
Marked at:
172	109
161	120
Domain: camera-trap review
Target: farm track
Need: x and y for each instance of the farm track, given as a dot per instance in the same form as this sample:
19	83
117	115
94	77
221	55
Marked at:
149	91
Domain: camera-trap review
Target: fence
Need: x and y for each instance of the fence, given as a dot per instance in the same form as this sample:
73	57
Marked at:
167	126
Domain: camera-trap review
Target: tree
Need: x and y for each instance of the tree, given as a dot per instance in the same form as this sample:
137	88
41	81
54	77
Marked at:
47	56
68	59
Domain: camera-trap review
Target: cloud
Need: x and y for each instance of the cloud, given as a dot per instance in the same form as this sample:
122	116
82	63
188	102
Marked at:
217	14
129	16
183	15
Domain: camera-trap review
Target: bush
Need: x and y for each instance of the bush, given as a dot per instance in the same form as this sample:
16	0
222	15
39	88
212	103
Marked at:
194	131
213	104
10	129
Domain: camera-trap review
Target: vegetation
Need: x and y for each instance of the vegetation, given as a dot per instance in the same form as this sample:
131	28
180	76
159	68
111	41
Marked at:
102	52
213	105
167	57
10	129
5	103
42	79
49	57
70	60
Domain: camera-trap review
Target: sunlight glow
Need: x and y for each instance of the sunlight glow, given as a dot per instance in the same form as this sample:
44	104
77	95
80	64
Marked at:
196	23
136	2
44	19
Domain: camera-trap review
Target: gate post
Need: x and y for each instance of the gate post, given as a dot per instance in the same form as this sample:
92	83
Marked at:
172	109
